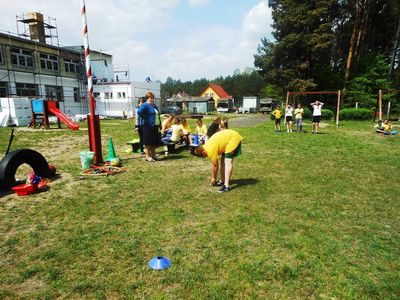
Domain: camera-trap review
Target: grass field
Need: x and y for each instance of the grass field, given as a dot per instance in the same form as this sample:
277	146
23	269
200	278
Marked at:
309	216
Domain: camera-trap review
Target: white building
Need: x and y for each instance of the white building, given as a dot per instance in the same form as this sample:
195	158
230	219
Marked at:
118	99
33	65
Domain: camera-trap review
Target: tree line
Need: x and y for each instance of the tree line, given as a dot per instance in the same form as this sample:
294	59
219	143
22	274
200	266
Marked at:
352	46
242	83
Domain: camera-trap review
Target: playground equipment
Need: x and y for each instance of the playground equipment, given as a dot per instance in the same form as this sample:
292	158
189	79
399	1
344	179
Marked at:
42	109
319	93
379	103
11	162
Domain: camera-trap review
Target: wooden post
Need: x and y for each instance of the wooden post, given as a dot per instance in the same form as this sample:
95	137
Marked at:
338	108
287	99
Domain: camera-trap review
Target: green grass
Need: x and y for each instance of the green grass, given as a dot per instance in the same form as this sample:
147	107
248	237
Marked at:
310	216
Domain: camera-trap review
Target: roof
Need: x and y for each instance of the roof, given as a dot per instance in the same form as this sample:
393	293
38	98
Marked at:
225	99
190	99
14	37
218	90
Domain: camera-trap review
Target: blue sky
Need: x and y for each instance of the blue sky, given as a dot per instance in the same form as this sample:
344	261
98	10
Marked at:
182	39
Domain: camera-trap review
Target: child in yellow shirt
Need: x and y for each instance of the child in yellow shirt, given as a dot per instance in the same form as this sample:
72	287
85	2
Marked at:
278	115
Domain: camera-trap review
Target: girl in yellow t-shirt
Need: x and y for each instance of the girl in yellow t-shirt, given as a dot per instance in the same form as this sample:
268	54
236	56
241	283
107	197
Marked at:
227	144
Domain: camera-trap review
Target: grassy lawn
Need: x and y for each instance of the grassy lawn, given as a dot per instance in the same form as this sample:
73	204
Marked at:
310	216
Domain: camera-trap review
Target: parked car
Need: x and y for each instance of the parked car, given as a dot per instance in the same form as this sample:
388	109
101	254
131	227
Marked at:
266	105
171	110
222	108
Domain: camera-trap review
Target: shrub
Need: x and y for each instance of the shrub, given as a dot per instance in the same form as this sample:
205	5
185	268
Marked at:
356	114
307	113
327	114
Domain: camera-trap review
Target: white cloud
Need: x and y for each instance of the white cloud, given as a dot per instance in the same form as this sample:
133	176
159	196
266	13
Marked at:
108	21
141	34
257	22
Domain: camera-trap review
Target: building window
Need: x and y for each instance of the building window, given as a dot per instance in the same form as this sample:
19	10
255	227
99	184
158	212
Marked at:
108	95
3	89
1	55
26	89
96	94
119	95
21	57
72	66
76	95
123	95
48	62
54	92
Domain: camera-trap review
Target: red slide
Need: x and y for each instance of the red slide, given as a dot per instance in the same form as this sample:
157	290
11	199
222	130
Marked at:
59	114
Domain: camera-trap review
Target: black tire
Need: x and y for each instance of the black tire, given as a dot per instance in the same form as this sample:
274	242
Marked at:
11	162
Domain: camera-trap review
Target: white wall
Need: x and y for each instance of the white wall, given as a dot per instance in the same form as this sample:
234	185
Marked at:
41	80
15	111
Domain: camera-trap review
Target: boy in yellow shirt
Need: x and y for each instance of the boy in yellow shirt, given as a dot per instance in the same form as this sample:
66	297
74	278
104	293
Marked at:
200	130
278	115
227	144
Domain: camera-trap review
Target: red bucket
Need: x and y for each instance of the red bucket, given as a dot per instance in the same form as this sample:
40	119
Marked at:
25	189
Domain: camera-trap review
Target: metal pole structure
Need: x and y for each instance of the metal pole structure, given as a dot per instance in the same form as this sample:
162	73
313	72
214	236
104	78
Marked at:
388	111
380	104
93	119
338	108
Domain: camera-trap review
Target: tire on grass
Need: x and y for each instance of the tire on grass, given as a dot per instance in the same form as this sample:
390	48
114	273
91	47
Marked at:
11	162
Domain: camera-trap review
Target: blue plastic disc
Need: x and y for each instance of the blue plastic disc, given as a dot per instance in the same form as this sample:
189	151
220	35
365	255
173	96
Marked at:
159	263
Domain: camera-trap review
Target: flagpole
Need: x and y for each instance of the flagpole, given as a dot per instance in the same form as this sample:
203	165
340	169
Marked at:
93	119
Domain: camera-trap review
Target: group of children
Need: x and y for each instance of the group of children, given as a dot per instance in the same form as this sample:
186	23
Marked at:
385	127
298	115
178	130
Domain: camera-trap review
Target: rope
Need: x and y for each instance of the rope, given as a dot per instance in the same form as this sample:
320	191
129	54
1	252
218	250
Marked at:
102	171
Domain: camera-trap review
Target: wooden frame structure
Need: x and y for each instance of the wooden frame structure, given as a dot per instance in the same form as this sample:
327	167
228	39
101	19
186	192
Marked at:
380	96
338	93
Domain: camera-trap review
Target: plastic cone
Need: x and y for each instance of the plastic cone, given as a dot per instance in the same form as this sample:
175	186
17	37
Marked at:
159	263
111	151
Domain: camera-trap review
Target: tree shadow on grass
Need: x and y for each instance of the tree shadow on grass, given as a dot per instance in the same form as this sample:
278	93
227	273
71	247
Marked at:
243	182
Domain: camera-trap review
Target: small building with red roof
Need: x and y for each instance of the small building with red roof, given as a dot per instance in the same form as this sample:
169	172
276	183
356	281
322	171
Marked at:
216	92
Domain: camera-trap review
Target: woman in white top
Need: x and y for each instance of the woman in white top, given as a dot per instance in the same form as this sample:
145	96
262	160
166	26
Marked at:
289	117
298	115
317	106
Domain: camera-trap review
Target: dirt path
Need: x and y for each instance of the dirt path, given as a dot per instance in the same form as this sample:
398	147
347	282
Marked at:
248	120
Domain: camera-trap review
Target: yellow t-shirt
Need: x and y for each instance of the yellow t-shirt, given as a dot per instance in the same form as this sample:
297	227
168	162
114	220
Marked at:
201	130
176	132
298	113
166	124
387	127
186	128
221	142
277	114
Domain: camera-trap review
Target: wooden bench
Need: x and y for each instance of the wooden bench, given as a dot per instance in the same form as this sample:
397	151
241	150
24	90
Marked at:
190	116
172	147
135	145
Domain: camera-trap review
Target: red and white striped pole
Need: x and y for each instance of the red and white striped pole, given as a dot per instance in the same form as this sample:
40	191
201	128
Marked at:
93	119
